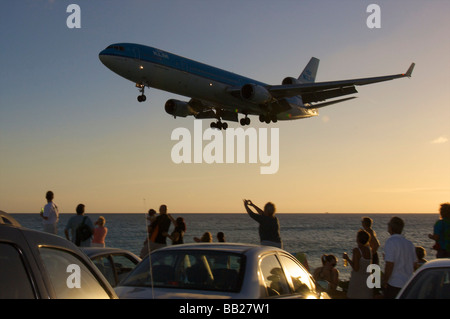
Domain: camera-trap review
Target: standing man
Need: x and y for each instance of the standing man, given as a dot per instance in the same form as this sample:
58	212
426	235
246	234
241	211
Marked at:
74	223
50	215
400	256
161	226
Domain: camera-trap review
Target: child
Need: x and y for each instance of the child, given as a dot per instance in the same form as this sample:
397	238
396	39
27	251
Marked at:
421	253
99	233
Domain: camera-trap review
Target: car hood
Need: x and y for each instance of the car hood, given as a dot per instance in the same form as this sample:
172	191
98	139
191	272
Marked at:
125	292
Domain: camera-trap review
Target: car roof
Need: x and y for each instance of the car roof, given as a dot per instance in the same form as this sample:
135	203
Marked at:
7	219
96	251
228	247
436	263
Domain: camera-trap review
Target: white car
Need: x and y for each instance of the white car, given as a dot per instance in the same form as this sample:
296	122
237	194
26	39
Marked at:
113	263
430	281
219	270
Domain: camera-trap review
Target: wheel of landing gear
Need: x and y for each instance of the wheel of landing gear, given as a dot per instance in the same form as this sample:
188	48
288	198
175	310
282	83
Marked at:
224	126
144	98
141	98
247	121
262	118
212	125
242	121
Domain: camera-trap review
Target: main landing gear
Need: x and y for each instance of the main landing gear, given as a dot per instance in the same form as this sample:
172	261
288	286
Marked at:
219	125
244	121
223	126
142	97
268	118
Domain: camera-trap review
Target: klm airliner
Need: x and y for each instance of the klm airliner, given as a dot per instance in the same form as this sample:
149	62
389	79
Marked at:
222	95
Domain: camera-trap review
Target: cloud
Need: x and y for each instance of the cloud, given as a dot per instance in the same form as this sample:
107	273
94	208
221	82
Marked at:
440	140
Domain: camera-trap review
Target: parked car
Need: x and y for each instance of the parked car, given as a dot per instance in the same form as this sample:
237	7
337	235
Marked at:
39	265
430	281
218	270
114	263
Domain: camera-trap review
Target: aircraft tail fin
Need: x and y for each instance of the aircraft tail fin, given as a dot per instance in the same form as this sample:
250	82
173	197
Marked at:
310	71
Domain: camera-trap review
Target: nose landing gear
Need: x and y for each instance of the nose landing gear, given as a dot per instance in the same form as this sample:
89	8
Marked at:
142	97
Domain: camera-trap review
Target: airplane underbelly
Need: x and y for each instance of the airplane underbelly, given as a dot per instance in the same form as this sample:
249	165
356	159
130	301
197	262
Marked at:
297	113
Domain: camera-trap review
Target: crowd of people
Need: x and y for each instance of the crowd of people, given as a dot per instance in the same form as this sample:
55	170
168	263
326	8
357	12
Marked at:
401	257
94	234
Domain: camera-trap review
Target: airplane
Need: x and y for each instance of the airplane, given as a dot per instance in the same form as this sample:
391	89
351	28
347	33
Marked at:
221	95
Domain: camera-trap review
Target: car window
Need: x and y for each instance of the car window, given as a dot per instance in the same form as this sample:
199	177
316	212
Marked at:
123	265
300	279
70	277
105	266
274	278
200	270
433	283
14	279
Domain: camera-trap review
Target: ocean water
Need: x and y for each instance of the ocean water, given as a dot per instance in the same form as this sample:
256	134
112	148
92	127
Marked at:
313	234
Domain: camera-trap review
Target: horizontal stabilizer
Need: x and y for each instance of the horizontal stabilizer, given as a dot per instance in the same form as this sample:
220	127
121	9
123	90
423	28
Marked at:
316	106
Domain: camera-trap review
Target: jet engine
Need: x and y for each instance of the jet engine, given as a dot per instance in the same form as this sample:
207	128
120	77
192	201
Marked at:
290	80
178	108
255	93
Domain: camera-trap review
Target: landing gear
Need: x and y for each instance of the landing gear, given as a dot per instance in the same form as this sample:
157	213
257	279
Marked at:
219	125
142	97
268	118
244	121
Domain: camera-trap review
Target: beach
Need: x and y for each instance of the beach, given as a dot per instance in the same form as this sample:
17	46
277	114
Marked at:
312	234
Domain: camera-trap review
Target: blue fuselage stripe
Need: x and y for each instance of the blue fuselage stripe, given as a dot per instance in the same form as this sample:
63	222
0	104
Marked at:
166	59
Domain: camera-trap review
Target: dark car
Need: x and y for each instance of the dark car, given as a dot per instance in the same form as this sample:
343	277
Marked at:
114	263
38	265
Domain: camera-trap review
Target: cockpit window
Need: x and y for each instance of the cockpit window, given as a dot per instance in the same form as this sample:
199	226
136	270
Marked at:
116	47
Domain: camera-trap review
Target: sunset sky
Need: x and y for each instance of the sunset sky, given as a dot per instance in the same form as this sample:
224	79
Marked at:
69	124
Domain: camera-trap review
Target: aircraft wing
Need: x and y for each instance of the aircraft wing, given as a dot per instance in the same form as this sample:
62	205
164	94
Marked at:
320	91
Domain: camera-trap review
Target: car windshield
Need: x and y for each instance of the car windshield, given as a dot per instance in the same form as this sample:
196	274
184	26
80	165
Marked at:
194	269
433	283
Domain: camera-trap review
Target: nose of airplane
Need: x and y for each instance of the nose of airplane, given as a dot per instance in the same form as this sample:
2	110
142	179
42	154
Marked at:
102	56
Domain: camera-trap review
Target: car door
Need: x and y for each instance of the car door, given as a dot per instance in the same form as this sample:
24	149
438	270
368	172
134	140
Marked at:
273	278
298	278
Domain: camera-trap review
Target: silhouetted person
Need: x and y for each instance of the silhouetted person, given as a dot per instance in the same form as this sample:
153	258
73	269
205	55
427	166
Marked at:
50	214
206	238
74	222
373	241
441	232
221	237
361	259
161	226
399	256
269	226
177	235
